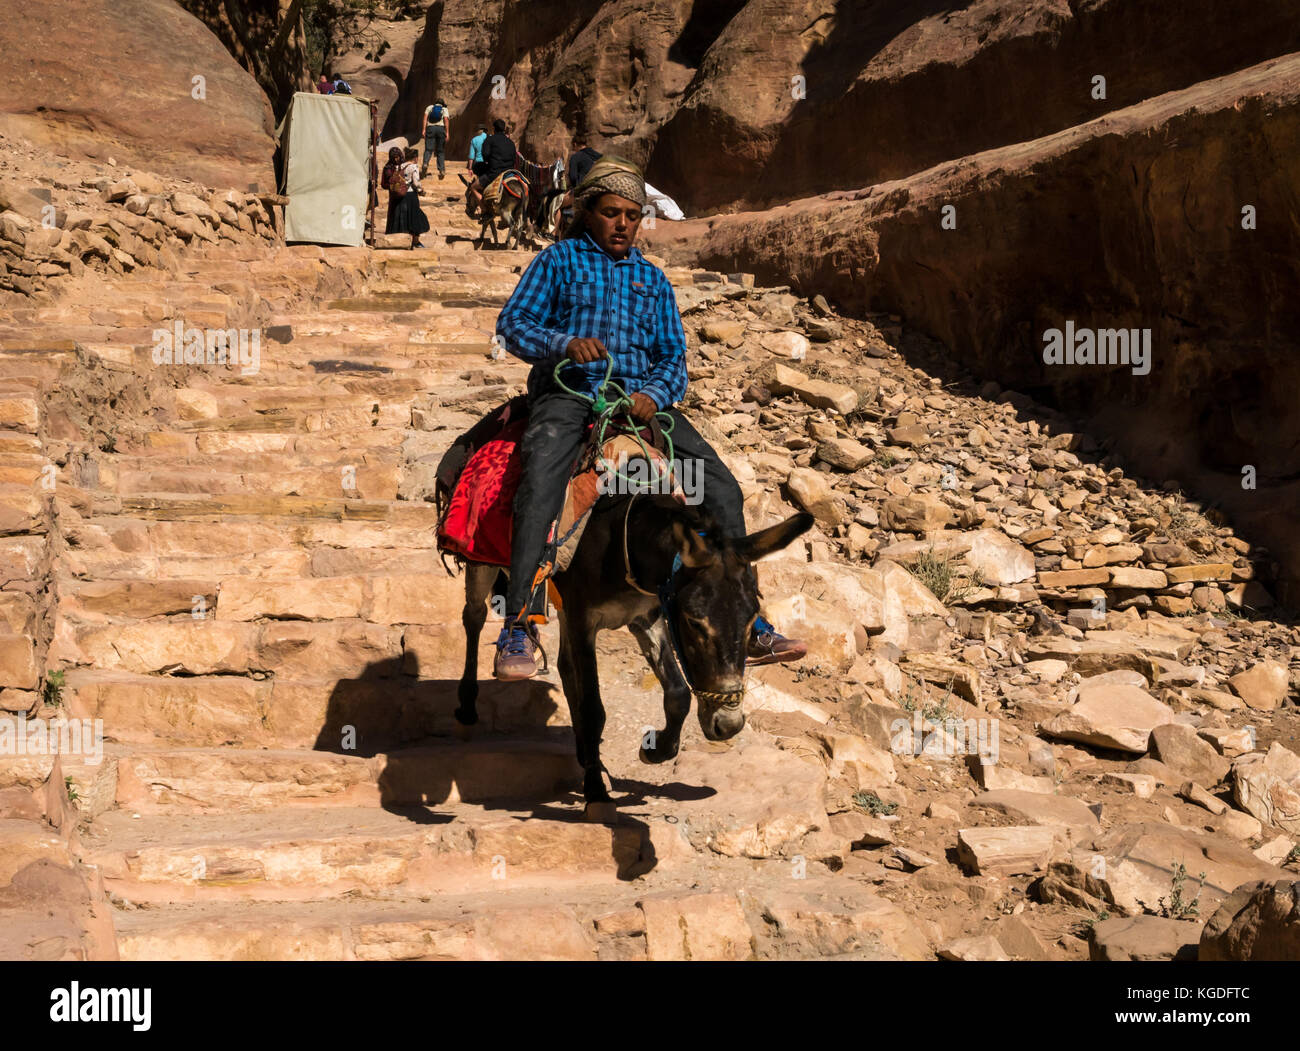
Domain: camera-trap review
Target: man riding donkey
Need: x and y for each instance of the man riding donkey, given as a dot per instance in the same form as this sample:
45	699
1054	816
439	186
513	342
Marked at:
500	155
589	298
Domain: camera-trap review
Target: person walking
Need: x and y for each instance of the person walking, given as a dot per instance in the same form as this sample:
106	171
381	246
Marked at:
402	181
434	131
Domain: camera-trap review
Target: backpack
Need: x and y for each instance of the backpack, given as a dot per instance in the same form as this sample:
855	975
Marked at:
395	183
435	114
342	87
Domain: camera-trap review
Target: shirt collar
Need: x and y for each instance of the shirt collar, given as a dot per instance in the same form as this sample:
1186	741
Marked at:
589	242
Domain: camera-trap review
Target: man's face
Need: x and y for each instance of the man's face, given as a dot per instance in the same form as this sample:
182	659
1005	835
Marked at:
613	224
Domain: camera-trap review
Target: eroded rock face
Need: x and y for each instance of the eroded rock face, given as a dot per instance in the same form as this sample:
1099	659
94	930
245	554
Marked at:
768	90
876	249
141	81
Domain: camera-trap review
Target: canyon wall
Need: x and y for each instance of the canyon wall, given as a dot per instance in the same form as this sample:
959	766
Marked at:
1180	215
747	103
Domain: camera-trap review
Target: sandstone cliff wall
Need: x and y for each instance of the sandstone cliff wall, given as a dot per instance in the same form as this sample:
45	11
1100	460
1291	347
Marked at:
1133	220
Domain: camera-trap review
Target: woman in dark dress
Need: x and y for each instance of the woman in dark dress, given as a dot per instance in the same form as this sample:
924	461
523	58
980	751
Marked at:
404	213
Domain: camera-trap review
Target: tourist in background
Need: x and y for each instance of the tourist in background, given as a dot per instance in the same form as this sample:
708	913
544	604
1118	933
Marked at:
434	132
402	181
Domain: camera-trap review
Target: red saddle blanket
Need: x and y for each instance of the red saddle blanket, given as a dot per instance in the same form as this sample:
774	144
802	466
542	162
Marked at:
478	522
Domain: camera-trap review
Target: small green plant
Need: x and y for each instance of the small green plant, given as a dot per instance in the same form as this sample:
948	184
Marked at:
938	714
1293	856
1177	907
1097	917
1183	523
935	573
73	795
909	696
884	459
53	693
943	579
873	804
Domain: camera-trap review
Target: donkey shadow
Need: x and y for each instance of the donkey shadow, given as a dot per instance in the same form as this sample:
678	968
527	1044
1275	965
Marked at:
512	761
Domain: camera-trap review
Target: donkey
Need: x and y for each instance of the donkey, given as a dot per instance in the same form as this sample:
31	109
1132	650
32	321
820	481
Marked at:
653	565
511	205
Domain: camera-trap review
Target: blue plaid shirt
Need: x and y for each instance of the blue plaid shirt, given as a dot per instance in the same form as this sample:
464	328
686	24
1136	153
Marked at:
573	289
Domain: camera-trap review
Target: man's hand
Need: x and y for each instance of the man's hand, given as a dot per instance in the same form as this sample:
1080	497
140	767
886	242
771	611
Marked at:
643	407
585	350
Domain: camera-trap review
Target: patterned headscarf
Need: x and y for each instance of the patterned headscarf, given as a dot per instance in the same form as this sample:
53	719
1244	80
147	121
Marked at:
610	174
615	175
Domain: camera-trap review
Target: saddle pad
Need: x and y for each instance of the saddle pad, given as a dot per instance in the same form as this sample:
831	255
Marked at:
478	523
586	488
511	182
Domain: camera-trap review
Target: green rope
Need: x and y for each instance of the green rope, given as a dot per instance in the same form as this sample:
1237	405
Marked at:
606	409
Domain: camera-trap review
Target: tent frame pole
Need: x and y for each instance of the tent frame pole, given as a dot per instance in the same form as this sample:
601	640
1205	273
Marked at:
372	191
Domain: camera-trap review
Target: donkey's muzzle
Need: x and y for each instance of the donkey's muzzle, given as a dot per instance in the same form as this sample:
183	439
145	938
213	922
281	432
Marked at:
721	714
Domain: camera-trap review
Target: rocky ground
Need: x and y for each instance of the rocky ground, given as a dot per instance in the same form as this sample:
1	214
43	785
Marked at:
235	571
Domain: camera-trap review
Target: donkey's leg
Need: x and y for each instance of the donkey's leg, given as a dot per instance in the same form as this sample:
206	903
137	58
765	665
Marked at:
662	745
581	682
478	585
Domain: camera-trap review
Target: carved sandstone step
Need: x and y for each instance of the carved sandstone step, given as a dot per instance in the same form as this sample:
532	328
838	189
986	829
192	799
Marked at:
382	708
500	926
236	780
301	854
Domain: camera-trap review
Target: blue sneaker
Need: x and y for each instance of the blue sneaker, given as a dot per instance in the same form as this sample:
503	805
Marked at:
516	657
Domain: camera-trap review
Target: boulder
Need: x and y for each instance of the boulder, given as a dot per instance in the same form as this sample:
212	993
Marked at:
1263	686
1119	717
216	130
1259	920
696	927
814	925
1268	787
1040	808
1011	851
820	394
1182	749
1129	869
1144	938
812	491
915	514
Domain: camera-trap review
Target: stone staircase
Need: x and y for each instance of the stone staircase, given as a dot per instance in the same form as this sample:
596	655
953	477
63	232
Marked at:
239	577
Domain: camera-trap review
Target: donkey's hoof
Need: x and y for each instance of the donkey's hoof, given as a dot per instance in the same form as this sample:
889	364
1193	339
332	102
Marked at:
653	756
601	813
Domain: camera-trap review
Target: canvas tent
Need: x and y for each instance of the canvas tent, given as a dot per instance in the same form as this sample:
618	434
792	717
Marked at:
328	145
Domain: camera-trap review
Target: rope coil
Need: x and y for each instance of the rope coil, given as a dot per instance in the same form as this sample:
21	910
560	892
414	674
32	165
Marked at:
606	409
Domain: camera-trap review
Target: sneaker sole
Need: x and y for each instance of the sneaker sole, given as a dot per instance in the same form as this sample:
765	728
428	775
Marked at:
776	658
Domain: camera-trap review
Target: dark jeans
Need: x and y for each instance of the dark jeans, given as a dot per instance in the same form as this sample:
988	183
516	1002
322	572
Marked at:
435	141
551	445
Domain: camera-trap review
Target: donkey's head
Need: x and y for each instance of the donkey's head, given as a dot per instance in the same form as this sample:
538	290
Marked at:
713	605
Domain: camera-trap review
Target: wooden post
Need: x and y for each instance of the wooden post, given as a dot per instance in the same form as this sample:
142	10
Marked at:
372	190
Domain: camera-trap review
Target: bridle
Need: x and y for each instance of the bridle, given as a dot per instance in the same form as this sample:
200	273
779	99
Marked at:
666	595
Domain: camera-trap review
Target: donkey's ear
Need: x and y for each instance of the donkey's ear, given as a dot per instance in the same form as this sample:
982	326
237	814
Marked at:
773	538
691	547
